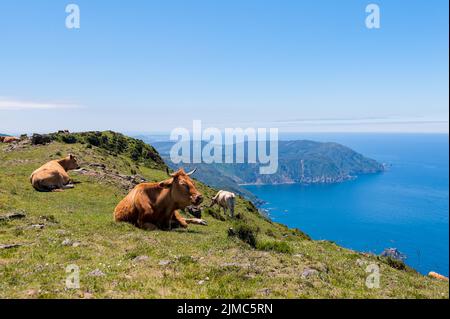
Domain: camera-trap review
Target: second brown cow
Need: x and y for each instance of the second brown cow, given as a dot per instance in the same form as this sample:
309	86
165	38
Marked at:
155	205
9	139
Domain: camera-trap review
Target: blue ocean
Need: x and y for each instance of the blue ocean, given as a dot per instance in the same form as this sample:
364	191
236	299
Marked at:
406	207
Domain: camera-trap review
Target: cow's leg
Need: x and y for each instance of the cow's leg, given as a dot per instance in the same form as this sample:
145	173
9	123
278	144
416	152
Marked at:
60	184
67	182
145	210
196	221
50	185
183	222
61	188
179	220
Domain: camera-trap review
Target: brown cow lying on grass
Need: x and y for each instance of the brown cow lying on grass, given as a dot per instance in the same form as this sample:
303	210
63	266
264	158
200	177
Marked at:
9	139
153	206
53	177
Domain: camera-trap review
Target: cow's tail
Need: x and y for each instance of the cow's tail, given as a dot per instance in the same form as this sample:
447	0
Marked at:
214	200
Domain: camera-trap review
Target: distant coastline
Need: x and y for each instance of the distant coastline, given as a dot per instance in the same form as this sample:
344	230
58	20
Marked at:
304	162
343	180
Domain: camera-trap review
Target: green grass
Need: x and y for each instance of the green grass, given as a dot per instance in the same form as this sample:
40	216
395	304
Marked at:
200	262
278	246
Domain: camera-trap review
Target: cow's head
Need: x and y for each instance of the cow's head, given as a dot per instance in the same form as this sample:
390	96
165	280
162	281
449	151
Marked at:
70	162
182	189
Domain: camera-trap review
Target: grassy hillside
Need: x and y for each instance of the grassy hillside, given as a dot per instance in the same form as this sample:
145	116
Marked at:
257	258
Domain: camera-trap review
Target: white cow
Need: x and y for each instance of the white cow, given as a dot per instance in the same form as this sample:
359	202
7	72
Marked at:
225	200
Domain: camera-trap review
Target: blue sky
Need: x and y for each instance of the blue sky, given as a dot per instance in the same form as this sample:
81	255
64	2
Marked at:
151	66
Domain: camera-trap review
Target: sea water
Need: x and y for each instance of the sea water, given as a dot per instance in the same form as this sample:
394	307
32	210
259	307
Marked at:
406	207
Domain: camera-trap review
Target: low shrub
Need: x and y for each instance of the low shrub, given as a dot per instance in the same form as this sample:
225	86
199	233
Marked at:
299	233
38	139
278	246
245	233
394	263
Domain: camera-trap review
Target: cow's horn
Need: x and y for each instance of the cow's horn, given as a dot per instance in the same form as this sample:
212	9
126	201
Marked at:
168	172
191	172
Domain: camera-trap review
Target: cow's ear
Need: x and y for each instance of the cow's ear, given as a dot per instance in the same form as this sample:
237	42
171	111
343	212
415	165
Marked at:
71	156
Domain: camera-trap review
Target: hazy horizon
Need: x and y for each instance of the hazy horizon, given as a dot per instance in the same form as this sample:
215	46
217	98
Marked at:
282	134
